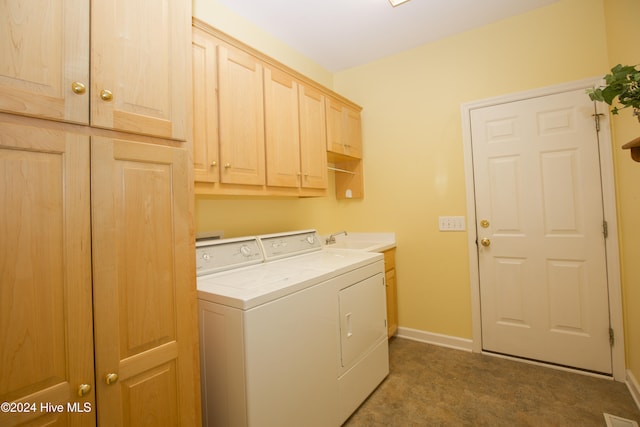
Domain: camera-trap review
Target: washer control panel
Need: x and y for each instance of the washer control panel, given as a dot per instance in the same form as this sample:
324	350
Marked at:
219	255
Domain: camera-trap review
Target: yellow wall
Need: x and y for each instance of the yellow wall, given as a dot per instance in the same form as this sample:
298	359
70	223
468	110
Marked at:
413	152
623	32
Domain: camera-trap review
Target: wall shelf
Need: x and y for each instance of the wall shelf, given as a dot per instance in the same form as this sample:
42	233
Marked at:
634	146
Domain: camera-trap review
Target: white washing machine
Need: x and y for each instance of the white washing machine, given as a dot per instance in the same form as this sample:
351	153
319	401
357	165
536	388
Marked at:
291	333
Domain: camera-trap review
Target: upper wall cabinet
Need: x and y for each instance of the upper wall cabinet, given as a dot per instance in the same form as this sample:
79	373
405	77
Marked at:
241	117
313	138
344	134
282	126
261	128
138	81
295	133
44	59
206	158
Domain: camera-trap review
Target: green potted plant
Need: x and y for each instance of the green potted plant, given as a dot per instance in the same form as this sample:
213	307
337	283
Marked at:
624	84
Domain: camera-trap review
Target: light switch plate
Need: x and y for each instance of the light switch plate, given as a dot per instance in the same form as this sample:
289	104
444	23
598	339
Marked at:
451	223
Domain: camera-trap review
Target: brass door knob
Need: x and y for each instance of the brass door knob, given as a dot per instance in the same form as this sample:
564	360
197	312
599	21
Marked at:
485	242
484	223
84	389
111	378
78	88
106	95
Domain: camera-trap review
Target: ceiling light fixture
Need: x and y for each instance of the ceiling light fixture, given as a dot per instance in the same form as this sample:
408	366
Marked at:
395	3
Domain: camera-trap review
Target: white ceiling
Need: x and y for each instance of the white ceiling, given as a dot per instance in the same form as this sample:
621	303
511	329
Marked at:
340	34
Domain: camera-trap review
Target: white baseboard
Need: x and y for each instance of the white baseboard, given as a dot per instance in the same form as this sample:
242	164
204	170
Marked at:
435	339
634	388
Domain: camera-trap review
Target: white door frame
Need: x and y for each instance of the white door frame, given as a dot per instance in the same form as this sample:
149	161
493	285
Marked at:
609	201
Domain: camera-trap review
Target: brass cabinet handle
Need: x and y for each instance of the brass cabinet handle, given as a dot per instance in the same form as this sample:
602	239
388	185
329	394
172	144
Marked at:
78	88
111	378
84	389
485	242
106	95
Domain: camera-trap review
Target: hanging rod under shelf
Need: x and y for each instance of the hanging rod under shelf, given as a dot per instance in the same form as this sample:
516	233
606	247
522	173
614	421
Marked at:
341	170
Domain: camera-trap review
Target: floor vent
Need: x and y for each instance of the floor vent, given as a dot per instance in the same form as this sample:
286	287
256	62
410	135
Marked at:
613	421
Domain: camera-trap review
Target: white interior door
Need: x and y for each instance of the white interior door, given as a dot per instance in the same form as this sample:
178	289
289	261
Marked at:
541	249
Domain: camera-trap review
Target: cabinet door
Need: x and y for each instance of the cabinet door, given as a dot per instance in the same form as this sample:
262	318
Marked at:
145	298
353	133
344	134
46	340
335	128
282	129
206	163
241	117
44	49
140	66
313	138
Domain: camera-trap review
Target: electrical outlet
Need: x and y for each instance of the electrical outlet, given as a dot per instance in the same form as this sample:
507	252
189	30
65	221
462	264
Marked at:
451	223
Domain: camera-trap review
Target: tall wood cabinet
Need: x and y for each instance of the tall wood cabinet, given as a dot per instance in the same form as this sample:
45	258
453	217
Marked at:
97	276
46	334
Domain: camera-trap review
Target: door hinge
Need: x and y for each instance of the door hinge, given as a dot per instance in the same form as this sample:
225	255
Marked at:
605	229
611	337
596	117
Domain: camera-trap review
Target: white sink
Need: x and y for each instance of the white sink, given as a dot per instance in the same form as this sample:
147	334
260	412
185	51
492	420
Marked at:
368	242
352	244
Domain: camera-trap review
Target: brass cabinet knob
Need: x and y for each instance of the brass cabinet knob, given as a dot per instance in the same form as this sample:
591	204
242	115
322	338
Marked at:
78	88
84	389
111	378
485	242
214	163
227	165
106	95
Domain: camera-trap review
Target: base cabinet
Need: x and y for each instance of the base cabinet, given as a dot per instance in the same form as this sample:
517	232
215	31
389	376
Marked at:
97	265
392	296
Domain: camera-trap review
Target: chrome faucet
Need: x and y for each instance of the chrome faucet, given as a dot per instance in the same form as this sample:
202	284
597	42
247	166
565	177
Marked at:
332	238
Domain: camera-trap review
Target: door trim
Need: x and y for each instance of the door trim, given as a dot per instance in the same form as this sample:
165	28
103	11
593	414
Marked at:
610	214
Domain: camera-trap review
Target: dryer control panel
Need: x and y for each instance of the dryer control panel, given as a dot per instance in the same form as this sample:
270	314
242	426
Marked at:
283	245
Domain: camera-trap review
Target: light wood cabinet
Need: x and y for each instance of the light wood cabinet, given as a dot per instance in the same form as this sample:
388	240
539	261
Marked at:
313	138
282	128
240	117
140	54
97	274
46	339
391	287
143	285
44	50
134	80
96	242
295	133
249	107
206	157
344	146
344	133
